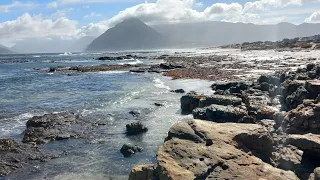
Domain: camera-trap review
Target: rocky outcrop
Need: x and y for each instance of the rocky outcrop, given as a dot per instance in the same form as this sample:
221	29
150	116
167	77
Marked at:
143	172
207	150
190	101
117	58
224	100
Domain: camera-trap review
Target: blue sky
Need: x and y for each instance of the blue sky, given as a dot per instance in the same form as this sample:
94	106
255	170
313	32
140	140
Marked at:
20	19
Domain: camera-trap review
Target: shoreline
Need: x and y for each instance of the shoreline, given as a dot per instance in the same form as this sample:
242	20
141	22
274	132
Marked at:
176	61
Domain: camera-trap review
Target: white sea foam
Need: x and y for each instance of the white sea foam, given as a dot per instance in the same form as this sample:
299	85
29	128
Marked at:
132	63
37	56
112	72
65	54
160	84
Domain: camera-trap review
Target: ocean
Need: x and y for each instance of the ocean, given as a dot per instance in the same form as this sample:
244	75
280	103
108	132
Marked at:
27	88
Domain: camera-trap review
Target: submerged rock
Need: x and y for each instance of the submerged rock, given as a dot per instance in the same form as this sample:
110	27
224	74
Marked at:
178	91
128	150
135	128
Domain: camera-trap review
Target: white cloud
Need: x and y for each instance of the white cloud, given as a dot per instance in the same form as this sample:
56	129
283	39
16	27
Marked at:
16	5
93	14
61	13
57	3
264	4
30	26
315	17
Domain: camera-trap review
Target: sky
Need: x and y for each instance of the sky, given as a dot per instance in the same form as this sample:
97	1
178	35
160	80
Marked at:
73	19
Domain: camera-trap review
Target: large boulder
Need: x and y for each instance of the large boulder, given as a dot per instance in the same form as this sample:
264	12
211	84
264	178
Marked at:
208	150
297	97
313	86
309	143
224	100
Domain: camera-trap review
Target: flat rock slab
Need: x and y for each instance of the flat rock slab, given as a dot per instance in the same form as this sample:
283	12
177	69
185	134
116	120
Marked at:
220	100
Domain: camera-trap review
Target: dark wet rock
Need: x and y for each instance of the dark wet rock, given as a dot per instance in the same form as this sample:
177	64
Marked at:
200	113
49	127
178	91
310	66
222	114
143	172
52	69
274	80
158	104
135	128
170	66
108	58
231	87
135	113
297	97
278	118
190	101
128	150
14	155
264	86
220	100
313	87
303	119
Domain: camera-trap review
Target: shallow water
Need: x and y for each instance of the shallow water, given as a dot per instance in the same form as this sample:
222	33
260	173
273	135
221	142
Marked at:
27	89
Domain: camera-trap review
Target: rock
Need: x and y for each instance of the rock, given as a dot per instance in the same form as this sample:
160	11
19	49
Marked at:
297	97
309	143
233	87
128	150
15	155
220	100
222	114
52	69
291	88
287	158
223	152
49	127
135	113
158	104
303	119
278	118
178	91
143	172
310	66
313	86
264	86
317	174
190	101
200	113
269	80
170	66
266	112
135	128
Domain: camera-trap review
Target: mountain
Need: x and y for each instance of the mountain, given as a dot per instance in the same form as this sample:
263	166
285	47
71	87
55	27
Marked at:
5	50
213	33
131	34
81	44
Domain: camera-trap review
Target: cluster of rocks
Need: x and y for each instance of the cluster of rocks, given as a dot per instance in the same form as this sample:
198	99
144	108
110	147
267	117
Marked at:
268	129
97	68
311	42
117	58
39	131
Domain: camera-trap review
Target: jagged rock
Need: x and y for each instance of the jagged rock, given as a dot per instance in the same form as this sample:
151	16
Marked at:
278	118
297	97
310	66
128	150
14	155
269	80
143	172
266	112
287	158
232	87
170	66
135	128
303	119
178	91
49	127
218	113
220	100
313	87
208	150
190	101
